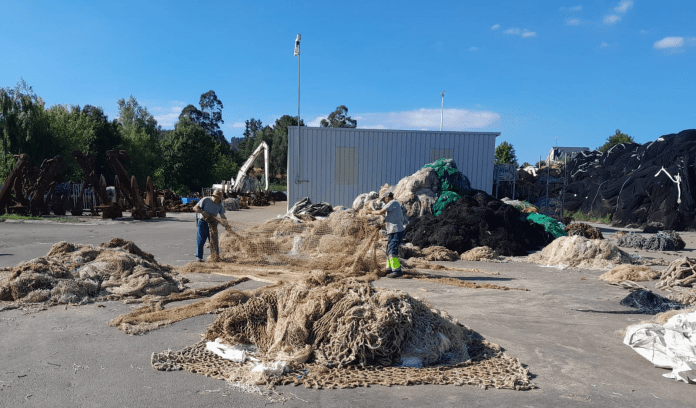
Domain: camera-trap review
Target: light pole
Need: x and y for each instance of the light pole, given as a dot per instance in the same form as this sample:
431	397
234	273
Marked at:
297	53
442	111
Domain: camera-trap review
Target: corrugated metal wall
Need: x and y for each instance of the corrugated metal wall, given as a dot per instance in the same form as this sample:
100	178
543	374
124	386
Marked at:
322	162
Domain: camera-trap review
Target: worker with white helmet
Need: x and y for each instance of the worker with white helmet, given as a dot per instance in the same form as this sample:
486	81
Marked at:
206	211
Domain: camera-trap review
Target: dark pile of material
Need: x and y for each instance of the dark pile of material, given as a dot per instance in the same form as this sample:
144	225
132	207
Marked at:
584	230
628	183
662	241
478	219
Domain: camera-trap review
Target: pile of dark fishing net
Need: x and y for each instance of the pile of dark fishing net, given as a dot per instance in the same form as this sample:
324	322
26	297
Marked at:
478	219
638	184
662	241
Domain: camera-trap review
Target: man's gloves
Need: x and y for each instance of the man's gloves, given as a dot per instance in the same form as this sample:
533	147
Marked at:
207	216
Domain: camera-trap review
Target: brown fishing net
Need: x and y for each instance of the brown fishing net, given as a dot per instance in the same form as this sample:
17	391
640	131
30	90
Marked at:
634	273
584	230
346	333
483	254
580	252
74	273
680	279
287	249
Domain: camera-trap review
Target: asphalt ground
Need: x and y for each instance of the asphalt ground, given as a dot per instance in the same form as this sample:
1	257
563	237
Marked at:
69	357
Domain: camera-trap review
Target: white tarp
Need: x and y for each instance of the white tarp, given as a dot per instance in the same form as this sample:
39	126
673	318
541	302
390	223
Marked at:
670	346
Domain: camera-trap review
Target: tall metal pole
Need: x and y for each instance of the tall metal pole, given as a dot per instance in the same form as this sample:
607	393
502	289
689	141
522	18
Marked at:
442	110
297	52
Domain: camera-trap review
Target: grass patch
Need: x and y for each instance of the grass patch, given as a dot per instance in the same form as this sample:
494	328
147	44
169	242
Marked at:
278	186
578	216
19	217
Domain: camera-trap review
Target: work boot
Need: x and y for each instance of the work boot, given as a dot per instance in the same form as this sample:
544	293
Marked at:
397	273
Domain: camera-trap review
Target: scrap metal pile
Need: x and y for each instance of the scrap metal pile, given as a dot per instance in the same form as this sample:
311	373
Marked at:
33	191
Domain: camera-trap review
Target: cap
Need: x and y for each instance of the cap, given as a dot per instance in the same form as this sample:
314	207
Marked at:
217	193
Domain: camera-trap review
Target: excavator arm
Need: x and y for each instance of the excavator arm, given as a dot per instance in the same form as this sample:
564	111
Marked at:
242	175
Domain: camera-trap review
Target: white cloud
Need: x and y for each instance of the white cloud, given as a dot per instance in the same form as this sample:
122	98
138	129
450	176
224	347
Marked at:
425	119
619	10
166	117
524	33
611	18
643	31
237	125
473	49
573	21
624	6
495	27
604	45
669	43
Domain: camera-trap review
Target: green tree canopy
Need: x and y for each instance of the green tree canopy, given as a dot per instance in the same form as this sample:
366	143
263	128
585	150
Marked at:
617	138
23	127
339	119
188	158
208	117
505	154
141	135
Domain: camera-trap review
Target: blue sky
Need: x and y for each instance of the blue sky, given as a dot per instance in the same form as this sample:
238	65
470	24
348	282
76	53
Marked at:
540	72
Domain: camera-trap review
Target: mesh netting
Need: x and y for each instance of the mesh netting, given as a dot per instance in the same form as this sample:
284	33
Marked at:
551	226
445	199
662	241
584	230
634	273
450	178
74	273
580	252
680	279
346	333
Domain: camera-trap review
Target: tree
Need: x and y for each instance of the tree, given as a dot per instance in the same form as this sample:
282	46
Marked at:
616	138
208	117
188	154
23	127
505	154
141	135
338	119
247	145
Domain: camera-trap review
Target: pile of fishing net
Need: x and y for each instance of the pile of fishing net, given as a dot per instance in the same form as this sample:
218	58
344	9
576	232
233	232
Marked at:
550	224
345	333
638	184
633	273
680	279
584	230
289	248
662	241
75	273
478	219
433	253
483	253
580	252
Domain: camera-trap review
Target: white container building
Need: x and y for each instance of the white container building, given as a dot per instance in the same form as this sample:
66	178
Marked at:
336	164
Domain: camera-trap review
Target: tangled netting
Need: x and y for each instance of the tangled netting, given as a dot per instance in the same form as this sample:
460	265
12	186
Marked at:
662	241
580	252
287	248
638	184
346	333
450	178
680	279
484	253
648	302
478	219
74	273
584	230
551	226
433	253
634	273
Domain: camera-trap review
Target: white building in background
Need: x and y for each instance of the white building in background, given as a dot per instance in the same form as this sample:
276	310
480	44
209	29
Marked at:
559	154
337	164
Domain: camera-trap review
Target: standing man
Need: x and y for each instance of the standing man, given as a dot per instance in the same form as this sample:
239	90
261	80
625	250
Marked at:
394	224
206	210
